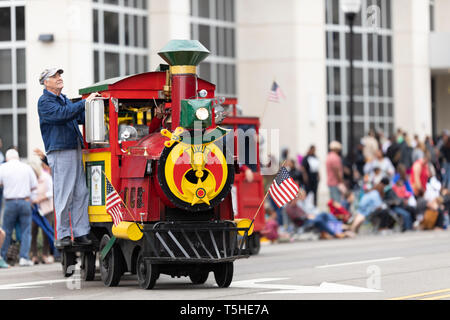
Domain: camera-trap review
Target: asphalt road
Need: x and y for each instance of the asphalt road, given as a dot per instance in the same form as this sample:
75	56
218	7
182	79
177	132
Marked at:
408	266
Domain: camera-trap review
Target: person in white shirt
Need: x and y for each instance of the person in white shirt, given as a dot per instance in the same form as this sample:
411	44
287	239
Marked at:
18	180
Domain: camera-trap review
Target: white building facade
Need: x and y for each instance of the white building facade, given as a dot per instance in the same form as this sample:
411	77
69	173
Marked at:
401	66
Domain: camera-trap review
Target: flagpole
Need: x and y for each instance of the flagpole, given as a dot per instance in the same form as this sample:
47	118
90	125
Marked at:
129	212
265	105
267	193
264	111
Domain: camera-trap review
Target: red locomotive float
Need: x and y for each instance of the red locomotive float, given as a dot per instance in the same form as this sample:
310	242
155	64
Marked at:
175	183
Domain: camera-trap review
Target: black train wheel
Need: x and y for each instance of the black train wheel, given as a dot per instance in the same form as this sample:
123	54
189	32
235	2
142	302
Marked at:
254	242
111	265
68	262
224	274
87	266
147	273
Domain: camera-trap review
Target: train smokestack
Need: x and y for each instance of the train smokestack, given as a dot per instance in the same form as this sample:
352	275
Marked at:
183	56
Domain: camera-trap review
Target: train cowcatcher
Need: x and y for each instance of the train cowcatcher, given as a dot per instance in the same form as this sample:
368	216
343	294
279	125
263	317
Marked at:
174	176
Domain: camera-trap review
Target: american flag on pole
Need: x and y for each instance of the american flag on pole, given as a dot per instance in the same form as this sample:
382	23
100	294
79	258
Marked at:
283	189
275	93
114	205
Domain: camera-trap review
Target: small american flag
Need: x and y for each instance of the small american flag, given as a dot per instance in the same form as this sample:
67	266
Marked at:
114	204
283	189
275	93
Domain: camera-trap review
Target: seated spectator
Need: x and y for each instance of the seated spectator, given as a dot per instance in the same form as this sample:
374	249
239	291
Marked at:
376	175
270	230
403	190
341	210
381	162
368	204
398	205
434	213
309	217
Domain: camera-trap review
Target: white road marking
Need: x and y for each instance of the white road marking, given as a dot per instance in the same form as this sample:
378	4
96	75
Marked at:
325	287
357	262
39	298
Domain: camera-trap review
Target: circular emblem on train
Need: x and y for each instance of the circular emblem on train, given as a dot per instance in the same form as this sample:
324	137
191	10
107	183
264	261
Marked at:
195	177
200	193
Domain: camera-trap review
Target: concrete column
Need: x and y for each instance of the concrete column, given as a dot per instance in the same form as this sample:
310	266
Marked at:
412	89
70	22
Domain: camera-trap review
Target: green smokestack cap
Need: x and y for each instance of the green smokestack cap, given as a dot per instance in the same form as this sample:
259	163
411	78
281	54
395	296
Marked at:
183	53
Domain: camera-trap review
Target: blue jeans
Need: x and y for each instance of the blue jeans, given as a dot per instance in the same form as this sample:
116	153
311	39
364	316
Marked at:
407	220
335	193
17	211
71	195
322	222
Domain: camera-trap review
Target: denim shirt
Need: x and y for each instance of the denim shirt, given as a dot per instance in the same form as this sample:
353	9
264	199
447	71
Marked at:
369	202
59	119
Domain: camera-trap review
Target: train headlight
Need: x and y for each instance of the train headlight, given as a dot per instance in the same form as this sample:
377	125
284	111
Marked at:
202	114
196	111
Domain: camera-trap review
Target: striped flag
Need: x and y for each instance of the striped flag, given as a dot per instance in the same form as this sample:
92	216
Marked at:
114	205
275	93
283	189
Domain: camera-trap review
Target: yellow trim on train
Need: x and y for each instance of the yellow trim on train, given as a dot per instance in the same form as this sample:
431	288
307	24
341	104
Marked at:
98	213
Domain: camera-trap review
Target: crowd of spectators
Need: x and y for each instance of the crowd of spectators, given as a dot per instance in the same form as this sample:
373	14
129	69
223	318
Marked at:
397	184
394	184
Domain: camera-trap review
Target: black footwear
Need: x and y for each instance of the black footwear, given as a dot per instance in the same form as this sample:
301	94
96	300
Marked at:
82	241
64	242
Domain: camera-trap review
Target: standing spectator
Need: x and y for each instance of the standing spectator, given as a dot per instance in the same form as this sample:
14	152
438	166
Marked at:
434	154
420	174
294	172
310	171
385	142
44	202
359	161
59	119
382	162
18	180
393	151
418	151
335	171
3	263
370	144
406	151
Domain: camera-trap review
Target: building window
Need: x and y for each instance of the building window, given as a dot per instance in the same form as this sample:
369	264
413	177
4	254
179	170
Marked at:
372	72
213	24
120	38
13	105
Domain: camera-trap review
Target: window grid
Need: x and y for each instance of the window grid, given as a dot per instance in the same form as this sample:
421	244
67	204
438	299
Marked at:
13	131
373	96
128	52
217	32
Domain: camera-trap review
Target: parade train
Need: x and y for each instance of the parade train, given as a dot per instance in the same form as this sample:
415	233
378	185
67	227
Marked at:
187	206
